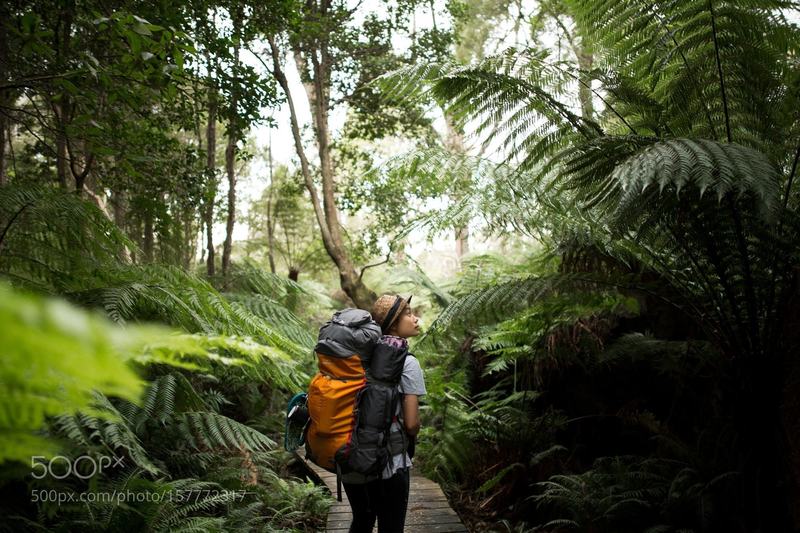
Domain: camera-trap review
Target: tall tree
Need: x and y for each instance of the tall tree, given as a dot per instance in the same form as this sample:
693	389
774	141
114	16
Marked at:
312	54
4	93
211	175
239	94
233	135
336	61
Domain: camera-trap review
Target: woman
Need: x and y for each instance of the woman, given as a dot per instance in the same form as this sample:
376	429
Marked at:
387	498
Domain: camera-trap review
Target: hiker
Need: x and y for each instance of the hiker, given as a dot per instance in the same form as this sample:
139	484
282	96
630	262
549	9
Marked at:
386	499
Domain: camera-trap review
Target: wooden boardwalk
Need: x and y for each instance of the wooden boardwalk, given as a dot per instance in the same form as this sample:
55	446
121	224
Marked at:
428	509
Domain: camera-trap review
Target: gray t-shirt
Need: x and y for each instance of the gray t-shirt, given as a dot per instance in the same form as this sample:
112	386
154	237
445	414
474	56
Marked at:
411	382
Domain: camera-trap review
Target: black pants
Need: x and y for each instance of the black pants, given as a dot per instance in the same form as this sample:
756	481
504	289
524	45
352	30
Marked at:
384	499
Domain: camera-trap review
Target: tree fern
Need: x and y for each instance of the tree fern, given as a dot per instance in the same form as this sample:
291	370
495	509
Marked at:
698	194
504	88
691	55
51	240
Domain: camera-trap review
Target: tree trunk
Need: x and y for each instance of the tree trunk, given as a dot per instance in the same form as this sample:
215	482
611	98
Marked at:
270	221
349	279
292	300
61	146
462	242
230	159
230	153
4	14
211	169
61	44
119	204
136	233
585	57
188	248
149	237
79	174
454	142
325	211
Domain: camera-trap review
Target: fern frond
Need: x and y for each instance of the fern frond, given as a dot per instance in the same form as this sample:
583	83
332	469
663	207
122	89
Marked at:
207	430
51	239
54	356
110	433
632	176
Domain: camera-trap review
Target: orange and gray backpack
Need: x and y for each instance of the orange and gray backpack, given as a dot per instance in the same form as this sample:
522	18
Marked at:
353	400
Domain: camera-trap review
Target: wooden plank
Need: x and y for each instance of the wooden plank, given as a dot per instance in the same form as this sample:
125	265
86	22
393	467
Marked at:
415	495
441	528
428	517
442	512
431	504
417	483
427	494
426	521
413	507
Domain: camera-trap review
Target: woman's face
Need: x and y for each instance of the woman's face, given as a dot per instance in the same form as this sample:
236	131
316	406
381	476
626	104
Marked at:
407	325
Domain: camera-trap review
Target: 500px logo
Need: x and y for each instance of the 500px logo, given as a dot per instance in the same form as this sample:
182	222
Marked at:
82	467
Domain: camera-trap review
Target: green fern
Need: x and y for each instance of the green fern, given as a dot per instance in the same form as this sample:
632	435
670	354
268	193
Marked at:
563	329
54	357
688	171
170	295
112	434
620	493
51	240
211	431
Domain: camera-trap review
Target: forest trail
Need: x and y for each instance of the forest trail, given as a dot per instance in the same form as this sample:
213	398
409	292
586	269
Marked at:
428	508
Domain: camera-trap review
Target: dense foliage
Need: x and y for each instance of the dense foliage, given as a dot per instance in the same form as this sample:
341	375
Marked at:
678	194
187	413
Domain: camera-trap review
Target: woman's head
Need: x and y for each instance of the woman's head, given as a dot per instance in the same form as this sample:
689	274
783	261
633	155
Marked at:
393	314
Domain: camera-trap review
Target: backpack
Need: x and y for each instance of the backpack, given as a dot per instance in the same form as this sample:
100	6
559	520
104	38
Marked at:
353	400
344	341
372	443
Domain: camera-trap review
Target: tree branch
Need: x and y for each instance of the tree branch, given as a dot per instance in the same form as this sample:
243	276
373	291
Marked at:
364	269
11	222
29	82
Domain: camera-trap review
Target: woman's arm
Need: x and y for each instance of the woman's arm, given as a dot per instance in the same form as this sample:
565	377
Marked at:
411	414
